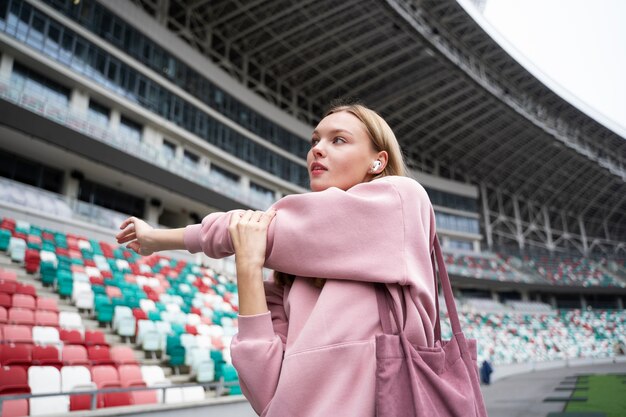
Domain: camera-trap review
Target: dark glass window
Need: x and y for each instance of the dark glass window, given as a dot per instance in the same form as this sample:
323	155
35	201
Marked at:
30	172
224	172
110	198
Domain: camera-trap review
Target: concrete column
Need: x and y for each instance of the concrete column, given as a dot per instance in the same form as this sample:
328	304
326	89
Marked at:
477	246
245	185
70	186
620	303
6	66
583	302
79	101
553	301
152	137
152	210
115	118
525	296
494	296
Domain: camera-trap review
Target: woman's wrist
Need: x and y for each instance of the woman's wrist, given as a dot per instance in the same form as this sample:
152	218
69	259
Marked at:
165	239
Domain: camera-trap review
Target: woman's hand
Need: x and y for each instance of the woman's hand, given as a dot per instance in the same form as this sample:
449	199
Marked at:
138	233
248	232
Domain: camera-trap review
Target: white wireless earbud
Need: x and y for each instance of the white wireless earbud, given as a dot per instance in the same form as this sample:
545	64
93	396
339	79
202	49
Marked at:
376	166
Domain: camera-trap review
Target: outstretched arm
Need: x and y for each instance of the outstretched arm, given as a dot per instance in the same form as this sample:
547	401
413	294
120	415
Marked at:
145	240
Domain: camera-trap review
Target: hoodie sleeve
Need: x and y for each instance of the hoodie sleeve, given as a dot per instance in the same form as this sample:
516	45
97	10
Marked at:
367	233
257	350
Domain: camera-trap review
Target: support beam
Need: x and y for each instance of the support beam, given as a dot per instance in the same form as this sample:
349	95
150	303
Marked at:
486	216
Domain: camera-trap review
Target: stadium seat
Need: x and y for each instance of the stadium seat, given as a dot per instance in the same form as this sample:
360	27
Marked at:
95	338
229	373
46	318
191	394
47	304
17	249
70	320
24	301
46	356
21	316
8	275
46	336
16	354
6	301
75	355
8	286
17	334
123	355
77	378
106	376
4	316
71	337
46	380
131	376
14	380
25	289
99	355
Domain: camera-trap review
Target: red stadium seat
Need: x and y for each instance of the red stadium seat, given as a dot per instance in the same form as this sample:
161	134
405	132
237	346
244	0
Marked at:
46	318
139	314
24	301
26	289
6	300
106	376
123	355
191	329
21	316
47	304
95	337
14	380
130	376
99	355
8	287
46	356
4	316
17	334
71	337
16	354
75	355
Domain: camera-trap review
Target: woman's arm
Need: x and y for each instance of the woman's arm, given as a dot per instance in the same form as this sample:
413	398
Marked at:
257	350
145	240
248	233
381	231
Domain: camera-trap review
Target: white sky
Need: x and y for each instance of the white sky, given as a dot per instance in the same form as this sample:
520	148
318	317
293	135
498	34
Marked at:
580	44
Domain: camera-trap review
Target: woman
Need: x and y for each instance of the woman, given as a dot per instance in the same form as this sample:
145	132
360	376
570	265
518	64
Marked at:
306	344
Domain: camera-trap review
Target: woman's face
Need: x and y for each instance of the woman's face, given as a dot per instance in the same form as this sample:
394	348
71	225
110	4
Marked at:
341	153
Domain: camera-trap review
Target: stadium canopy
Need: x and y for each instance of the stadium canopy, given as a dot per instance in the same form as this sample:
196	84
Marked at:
461	106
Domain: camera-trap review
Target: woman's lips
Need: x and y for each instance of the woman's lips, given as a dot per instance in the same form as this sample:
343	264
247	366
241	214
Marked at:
318	169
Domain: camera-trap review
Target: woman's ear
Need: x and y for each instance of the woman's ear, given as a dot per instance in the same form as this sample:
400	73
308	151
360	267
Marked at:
383	157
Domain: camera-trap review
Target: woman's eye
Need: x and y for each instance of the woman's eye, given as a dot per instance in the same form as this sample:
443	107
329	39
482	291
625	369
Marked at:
314	141
339	138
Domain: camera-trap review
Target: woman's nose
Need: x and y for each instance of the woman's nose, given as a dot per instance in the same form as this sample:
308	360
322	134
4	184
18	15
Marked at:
318	149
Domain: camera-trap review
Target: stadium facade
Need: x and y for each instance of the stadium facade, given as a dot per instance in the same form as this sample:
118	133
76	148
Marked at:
169	110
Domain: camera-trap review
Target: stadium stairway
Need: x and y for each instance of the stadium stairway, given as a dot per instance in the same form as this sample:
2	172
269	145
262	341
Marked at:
90	323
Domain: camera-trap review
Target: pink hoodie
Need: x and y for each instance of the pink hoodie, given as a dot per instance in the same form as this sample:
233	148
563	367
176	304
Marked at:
313	354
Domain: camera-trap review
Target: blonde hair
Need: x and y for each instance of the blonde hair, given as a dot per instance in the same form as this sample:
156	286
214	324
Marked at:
383	139
381	135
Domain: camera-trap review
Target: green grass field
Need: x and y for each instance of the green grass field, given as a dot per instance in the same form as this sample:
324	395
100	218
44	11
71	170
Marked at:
607	394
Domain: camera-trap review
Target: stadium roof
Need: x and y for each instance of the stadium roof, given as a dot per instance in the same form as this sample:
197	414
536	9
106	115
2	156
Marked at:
457	101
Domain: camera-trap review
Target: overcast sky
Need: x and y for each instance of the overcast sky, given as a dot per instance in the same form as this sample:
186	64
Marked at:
580	44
